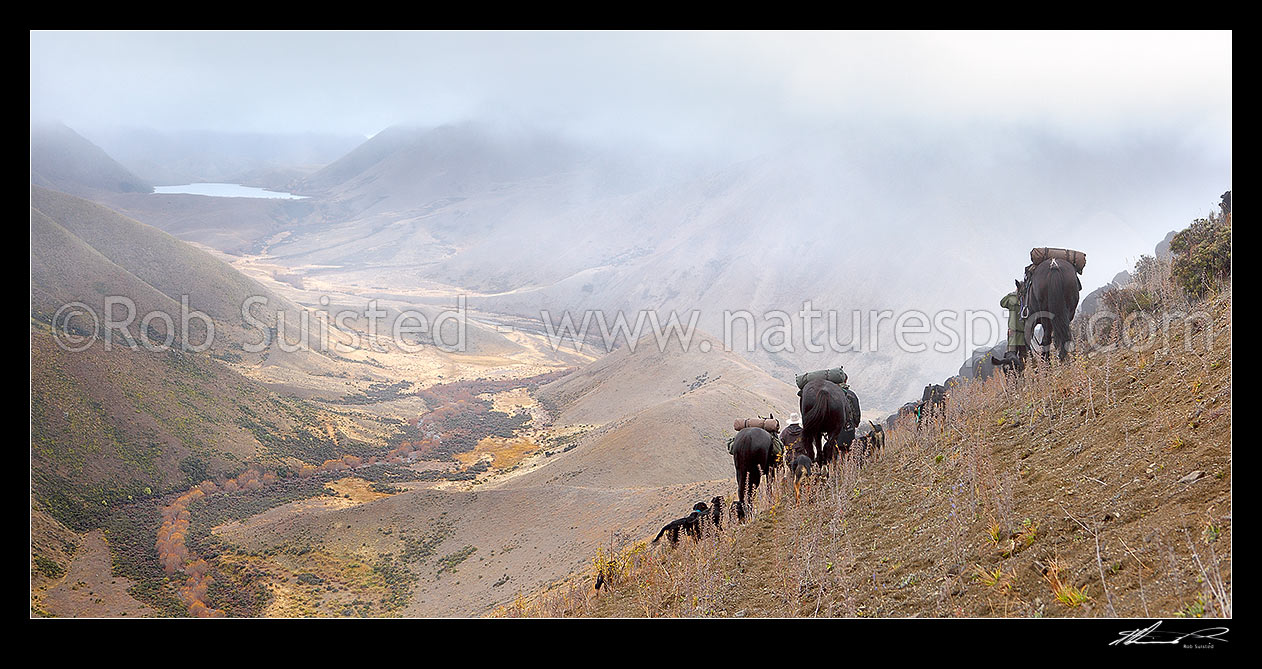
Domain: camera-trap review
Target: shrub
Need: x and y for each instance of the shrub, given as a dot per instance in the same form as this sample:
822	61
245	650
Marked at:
48	567
1202	254
309	579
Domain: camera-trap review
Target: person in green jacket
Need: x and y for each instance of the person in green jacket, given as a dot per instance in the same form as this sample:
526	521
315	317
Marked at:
1017	348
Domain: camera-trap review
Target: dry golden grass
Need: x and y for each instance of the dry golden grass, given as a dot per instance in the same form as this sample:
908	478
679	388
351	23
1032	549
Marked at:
356	490
504	452
315	584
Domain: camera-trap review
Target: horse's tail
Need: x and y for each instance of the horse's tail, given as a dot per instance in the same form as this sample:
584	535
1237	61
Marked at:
1058	305
816	419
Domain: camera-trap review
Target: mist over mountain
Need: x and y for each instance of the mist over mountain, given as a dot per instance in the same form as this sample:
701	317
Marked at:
868	218
853	226
270	160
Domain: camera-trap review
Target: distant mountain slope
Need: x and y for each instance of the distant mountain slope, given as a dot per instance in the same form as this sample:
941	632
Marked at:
82	251
413	165
678	441
626	382
362	157
154	257
661	417
64	160
65	269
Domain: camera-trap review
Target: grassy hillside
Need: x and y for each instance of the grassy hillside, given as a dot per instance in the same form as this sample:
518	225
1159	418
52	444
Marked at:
65	268
125	426
82	251
625	382
1100	487
656	418
153	257
120	438
109	427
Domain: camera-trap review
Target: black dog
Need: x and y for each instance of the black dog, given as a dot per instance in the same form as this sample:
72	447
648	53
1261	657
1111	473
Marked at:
691	524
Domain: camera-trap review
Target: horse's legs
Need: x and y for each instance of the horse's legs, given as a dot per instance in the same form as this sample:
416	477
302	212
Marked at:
755	477
1047	341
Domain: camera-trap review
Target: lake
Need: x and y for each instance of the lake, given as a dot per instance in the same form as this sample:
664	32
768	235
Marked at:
225	190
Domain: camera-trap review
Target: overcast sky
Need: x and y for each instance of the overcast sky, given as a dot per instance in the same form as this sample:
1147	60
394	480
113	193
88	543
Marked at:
667	87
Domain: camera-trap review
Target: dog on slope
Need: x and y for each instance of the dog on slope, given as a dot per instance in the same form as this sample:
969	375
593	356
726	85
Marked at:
691	524
801	466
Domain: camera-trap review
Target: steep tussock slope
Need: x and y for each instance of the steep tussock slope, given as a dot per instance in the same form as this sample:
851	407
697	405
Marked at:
1100	487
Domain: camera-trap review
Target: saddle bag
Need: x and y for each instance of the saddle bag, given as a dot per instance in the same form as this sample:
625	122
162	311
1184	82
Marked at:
836	375
1078	259
768	424
776	444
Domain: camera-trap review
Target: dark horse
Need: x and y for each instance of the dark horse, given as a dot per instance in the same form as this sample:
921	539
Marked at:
1051	300
824	412
754	456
